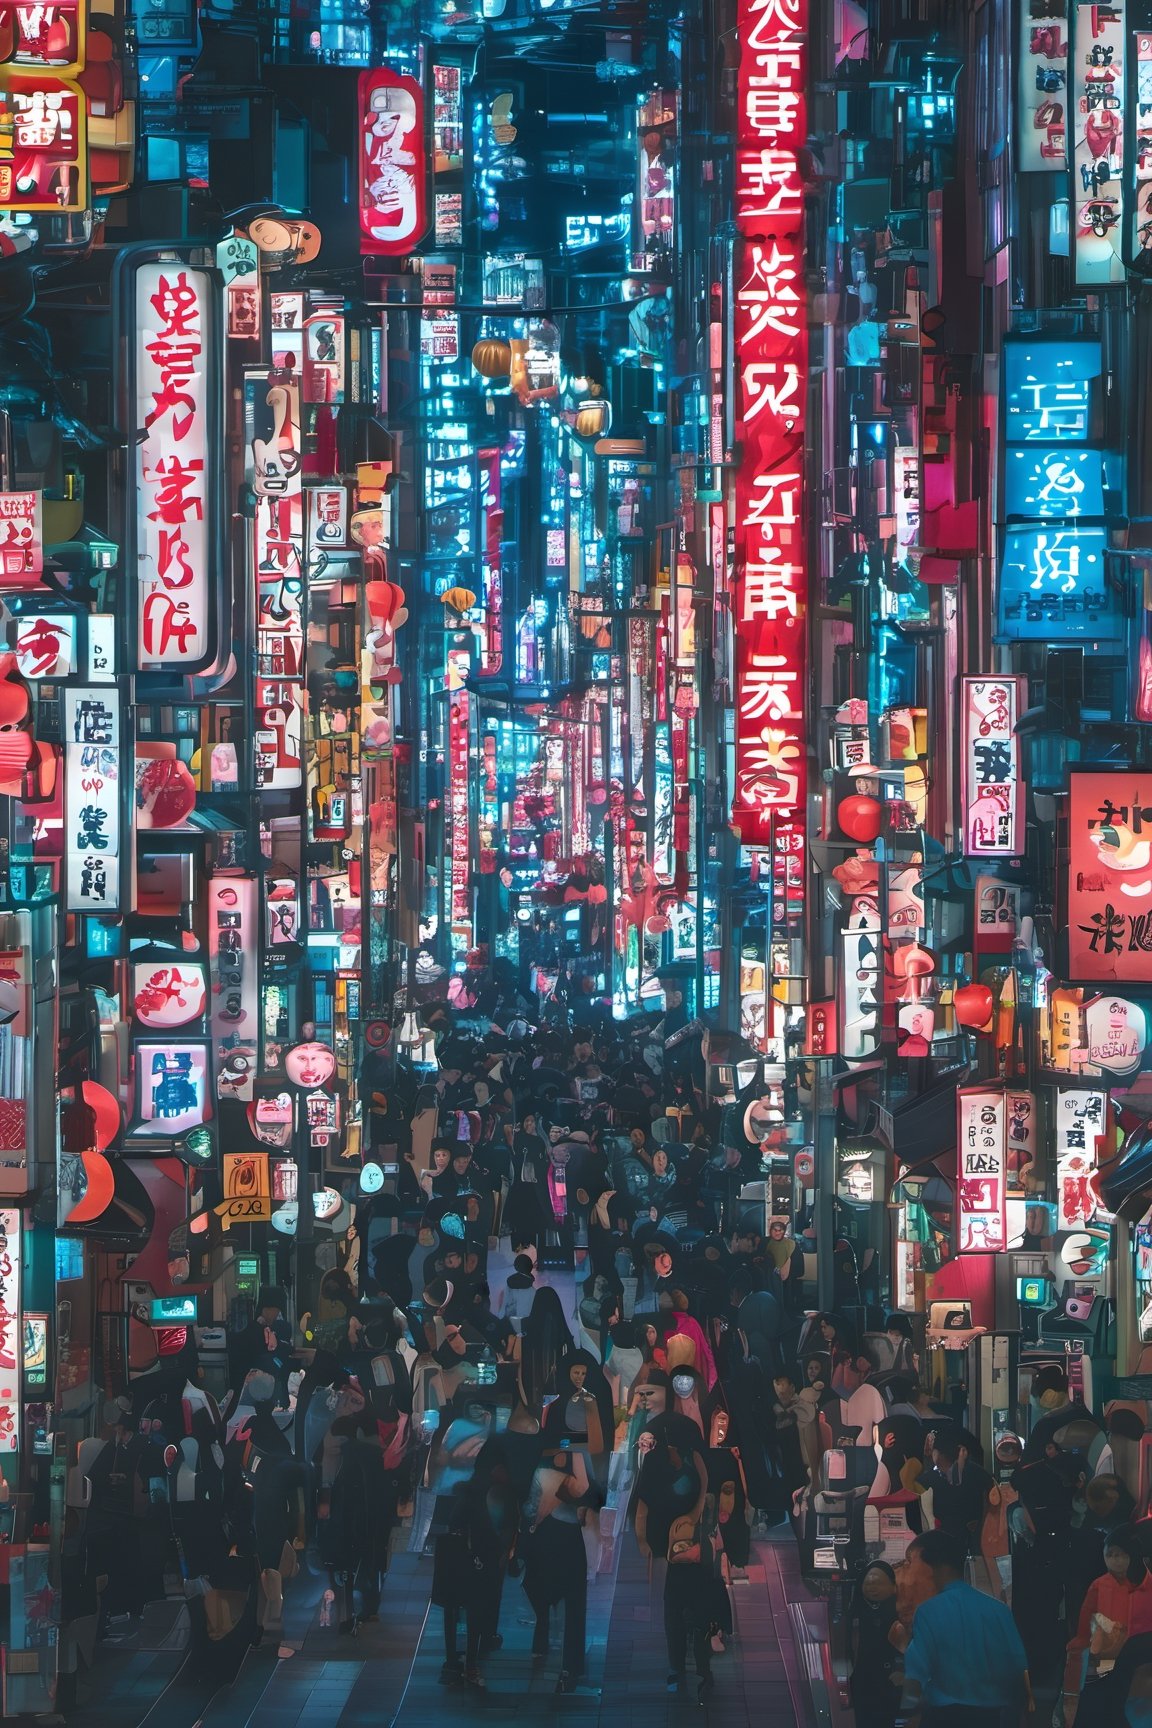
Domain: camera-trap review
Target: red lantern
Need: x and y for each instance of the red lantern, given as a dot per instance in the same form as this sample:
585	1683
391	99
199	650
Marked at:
973	1004
859	817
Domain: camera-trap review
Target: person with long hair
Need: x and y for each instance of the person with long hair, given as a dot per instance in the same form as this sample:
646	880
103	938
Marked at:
546	1340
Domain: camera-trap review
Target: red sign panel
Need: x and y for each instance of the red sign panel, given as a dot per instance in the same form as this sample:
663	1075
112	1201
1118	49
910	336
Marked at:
393	168
1110	877
43	156
771	331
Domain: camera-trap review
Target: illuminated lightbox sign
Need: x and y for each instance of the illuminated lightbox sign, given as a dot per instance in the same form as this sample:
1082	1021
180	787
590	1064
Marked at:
1097	100
92	793
1048	481
1048	391
1109	897
1053	587
1042	87
771	336
992	791
982	1177
43	144
21	540
1081	1118
392	163
173	431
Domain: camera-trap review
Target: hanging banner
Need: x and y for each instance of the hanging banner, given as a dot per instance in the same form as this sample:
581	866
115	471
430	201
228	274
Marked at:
1021	1139
771	334
1097	100
393	169
92	763
991	789
1081	1118
1142	155
1109	904
982	1182
1042	86
233	950
11	1245
173	433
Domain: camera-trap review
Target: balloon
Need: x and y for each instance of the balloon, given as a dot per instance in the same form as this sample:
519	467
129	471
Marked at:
860	817
973	1004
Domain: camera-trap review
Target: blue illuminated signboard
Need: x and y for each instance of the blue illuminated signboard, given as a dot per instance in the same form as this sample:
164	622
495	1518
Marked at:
1051	481
1053	587
1048	391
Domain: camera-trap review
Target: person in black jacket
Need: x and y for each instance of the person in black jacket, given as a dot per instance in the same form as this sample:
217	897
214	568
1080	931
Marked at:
471	1563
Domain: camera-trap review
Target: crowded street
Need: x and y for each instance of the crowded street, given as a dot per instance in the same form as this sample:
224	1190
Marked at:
576	863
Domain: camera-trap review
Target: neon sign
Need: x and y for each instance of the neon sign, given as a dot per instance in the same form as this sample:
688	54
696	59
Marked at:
173	509
772	362
392	167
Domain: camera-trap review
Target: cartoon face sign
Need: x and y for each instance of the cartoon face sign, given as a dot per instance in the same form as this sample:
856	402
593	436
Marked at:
310	1065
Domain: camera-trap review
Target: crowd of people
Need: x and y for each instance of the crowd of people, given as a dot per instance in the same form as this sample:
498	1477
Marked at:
573	1308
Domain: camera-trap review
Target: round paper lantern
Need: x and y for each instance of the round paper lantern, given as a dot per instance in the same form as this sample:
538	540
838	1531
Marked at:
860	817
973	1004
492	358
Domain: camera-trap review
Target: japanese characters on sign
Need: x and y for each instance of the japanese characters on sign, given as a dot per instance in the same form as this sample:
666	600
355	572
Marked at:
1054	587
772	121
1109	903
1021	1139
1081	1118
460	884
392	195
982	1181
10	1323
1097	100
771	337
43	143
991	789
174	506
21	540
1042	88
92	757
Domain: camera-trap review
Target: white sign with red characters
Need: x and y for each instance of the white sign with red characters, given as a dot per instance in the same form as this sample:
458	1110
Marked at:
982	1180
173	510
771	331
21	540
991	789
1081	1119
10	1328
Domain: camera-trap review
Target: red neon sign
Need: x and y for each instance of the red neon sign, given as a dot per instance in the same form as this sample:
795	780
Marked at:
771	330
393	167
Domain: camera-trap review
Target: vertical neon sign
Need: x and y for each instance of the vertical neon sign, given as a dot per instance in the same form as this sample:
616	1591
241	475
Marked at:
771	337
